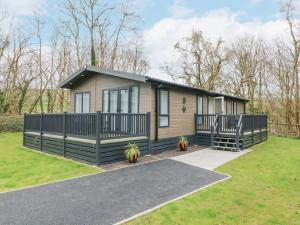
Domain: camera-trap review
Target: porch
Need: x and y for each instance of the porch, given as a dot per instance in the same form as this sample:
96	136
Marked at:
232	132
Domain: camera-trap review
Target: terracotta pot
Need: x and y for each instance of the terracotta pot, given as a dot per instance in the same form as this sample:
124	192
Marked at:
134	159
183	145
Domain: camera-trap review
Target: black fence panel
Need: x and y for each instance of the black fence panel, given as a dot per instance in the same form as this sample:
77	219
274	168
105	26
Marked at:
228	123
32	122
53	123
204	121
116	125
81	125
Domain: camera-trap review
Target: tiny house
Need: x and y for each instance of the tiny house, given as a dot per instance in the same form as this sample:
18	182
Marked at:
148	111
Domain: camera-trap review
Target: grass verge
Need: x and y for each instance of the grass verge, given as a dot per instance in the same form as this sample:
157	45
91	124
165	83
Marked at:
264	189
21	168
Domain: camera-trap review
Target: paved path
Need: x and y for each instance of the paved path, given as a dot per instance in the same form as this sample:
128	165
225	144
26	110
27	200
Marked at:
104	198
209	158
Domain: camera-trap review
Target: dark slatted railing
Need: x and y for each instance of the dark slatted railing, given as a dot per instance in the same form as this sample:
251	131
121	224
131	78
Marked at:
53	123
254	122
204	121
115	125
32	122
228	123
83	125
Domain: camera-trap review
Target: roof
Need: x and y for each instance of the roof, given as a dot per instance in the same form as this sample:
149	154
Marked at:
88	70
80	74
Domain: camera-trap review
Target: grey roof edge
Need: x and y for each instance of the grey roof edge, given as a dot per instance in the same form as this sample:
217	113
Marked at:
70	78
95	69
195	89
136	77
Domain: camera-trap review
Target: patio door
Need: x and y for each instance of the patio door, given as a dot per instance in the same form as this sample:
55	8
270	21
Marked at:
219	105
216	105
120	100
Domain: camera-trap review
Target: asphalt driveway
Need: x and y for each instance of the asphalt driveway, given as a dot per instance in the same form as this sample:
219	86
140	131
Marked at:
104	198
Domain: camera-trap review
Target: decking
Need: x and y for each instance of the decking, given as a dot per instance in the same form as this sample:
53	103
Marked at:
101	138
93	137
232	132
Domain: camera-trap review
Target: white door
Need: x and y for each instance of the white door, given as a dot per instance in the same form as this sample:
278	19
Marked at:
219	105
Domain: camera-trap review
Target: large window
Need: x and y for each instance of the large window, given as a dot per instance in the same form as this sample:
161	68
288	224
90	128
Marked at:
134	99
105	101
163	108
121	100
82	102
124	98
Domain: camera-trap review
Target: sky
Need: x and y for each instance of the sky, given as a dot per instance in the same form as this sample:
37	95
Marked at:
167	21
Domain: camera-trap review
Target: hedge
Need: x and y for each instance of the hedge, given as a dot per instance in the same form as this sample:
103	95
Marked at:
11	123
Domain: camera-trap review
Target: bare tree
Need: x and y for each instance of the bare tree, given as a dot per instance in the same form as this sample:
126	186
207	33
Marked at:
200	61
294	28
247	60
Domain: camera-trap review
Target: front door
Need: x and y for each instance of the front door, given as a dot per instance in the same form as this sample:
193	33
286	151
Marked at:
219	105
216	105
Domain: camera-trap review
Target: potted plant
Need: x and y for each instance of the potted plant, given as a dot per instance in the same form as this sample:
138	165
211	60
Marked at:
132	153
183	143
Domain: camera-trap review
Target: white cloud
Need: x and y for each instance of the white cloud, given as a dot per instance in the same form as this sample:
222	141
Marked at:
159	39
178	9
23	7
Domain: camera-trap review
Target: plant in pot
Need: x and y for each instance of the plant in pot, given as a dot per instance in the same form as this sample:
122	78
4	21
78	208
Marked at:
183	143
132	153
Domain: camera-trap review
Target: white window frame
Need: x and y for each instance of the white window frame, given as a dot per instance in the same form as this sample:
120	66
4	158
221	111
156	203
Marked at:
89	101
168	108
222	102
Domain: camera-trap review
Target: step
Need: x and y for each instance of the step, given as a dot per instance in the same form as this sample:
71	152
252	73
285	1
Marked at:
224	142
230	138
223	147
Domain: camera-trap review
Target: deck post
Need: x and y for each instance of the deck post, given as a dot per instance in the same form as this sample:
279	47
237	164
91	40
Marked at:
252	129
41	131
24	127
64	133
98	120
260	125
219	121
196	128
267	135
237	137
212	136
149	131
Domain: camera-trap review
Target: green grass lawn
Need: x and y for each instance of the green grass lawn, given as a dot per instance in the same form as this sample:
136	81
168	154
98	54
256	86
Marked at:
21	168
264	189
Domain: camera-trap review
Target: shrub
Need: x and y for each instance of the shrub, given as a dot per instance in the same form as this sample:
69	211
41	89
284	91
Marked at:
11	123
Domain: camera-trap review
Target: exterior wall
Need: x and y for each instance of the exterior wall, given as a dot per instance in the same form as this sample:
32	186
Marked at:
228	106
96	84
240	107
87	86
181	123
205	104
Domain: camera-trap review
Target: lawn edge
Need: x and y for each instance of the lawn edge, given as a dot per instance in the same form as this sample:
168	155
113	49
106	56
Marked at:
175	199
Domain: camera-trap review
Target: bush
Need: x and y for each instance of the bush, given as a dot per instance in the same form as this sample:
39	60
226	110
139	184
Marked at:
11	123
